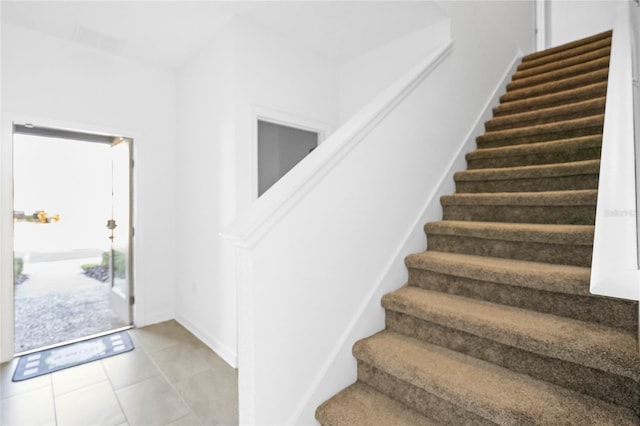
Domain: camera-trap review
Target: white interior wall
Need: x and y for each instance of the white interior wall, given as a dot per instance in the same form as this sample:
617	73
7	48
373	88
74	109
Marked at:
48	79
281	75
573	20
242	68
206	194
363	77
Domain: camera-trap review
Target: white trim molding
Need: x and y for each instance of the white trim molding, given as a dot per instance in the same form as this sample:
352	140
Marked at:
541	18
226	353
7	349
270	115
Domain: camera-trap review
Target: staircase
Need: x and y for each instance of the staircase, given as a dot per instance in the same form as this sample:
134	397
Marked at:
496	324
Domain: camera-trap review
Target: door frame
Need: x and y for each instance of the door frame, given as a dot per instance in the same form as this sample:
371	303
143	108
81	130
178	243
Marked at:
541	18
6	217
113	294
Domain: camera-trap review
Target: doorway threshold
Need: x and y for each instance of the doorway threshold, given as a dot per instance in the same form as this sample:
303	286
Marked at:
69	342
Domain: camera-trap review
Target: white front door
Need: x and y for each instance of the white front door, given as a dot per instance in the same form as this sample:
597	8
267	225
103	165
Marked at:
119	230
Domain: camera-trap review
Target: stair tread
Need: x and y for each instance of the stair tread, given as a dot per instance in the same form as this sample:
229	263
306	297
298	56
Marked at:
559	126
583	57
558	98
559	73
568	49
596	346
580	197
529	172
361	405
524	232
537	147
557	85
536	275
490	391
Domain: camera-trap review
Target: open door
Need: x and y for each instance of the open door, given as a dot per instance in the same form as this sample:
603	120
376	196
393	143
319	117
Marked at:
70	280
120	230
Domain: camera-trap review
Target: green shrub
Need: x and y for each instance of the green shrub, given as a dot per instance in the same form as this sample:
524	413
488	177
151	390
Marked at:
18	265
88	266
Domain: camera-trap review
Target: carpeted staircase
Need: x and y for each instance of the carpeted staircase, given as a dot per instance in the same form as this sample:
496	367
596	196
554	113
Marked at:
496	324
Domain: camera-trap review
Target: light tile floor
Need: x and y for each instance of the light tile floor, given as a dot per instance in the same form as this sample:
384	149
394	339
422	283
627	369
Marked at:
170	378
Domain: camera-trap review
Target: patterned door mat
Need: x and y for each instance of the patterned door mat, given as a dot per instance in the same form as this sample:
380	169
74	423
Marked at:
59	358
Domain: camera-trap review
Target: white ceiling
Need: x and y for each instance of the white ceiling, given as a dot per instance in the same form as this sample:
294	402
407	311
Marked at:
167	33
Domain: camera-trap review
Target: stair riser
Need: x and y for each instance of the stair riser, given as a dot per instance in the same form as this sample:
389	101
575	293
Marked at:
562	254
558	74
541	58
492	140
554	87
416	398
570	215
504	123
371	408
609	312
549	157
597	383
557	183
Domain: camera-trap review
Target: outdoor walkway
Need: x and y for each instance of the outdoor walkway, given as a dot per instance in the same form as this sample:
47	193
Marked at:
59	303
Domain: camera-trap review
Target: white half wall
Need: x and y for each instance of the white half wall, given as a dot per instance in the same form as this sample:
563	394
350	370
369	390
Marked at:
50	81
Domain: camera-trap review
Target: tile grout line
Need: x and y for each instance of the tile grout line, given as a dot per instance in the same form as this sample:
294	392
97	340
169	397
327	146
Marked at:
113	389
166	378
53	399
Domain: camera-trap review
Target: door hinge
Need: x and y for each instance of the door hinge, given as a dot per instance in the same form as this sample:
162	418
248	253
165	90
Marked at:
132	300
133	231
133	163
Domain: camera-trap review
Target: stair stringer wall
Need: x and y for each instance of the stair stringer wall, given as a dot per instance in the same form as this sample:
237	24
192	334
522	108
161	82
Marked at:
339	371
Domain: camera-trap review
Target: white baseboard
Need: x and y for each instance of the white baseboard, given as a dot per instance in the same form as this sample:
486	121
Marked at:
156	318
226	353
